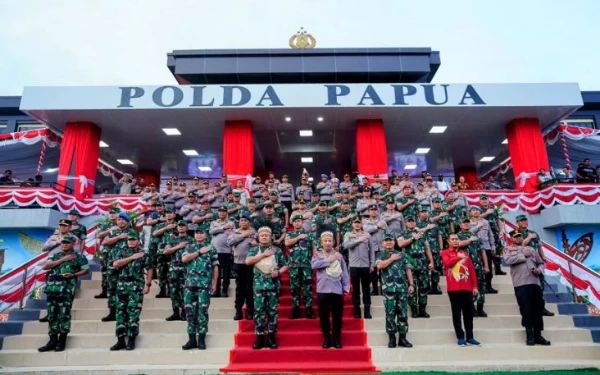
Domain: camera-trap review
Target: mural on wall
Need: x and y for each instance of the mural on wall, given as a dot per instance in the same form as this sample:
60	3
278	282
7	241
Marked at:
582	243
21	245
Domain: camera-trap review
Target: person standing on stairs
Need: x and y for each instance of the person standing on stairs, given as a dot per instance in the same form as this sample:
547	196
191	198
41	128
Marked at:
220	230
469	242
361	258
202	263
416	247
102	232
481	228
462	287
61	281
269	263
332	286
526	266
130	262
241	240
163	229
174	251
300	246
376	227
396	284
491	214
433	236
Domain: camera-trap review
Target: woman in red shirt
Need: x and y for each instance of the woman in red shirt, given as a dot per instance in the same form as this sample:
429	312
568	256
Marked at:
462	286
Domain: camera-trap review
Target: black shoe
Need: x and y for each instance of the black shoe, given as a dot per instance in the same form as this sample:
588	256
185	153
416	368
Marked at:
271	343
51	345
191	344
423	311
295	313
62	343
357	313
326	341
119	345
43	320
238	315
374	292
392	341
174	316
131	343
368	312
499	272
480	312
249	315
162	293
491	290
310	314
414	312
434	289
403	342
216	295
547	313
540	340
111	317
259	343
224	294
530	341
337	343
202	341
102	294
182	316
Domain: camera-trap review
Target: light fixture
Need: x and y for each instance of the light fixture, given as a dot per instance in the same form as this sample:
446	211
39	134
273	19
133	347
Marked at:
103	144
410	166
320	119
190	152
487	158
438	129
125	161
51	170
422	150
306	160
205	169
171	131
288	119
505	142
306	133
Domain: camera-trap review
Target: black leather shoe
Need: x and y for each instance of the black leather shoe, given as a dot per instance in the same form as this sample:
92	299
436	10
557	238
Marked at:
43	320
357	313
337	342
174	316
238	315
271	342
131	343
119	345
249	315
51	345
368	312
259	343
102	294
530	341
414	312
162	293
403	342
295	313
191	344
480	312
491	290
392	340
423	311
111	317
326	342
547	313
224	294
182	316
310	314
202	341
540	340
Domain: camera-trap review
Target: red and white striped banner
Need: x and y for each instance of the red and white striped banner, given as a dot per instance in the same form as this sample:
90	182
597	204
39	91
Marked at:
30	137
575	133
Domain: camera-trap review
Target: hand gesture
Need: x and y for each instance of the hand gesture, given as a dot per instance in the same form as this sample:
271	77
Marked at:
395	257
253	243
474	238
123	236
489	211
137	255
332	258
371	269
430	226
303	236
146	289
411	289
171	226
462	255
364	237
417	236
274	273
536	271
528	252
113	228
268	253
68	257
204	250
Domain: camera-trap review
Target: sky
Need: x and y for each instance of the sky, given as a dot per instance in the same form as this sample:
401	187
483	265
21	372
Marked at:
107	42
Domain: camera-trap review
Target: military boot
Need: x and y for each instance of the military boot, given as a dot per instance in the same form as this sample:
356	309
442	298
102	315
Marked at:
102	294
43	320
368	312
530	341
249	314
480	312
423	311
326	341
271	342
174	316
191	344
435	289
357	313
337	341
310	314
260	342
295	313
51	345
392	341
403	342
131	343
162	293
119	345
182	316
238	315
62	343
497	268
414	312
202	341
111	317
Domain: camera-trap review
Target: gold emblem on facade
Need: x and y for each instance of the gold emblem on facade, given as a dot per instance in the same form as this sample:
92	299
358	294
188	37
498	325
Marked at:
302	40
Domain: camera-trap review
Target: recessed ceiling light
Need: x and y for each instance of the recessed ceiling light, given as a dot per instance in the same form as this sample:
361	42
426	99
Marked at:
306	160
125	161
410	166
51	170
190	152
171	131
487	158
320	119
505	142
288	119
422	150
205	169
103	144
306	133
438	129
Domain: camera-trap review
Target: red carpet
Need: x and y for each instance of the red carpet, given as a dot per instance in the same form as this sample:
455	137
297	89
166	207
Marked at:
300	345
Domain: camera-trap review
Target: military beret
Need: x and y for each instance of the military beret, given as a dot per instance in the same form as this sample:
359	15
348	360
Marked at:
169	210
273	192
475	208
322	203
390	200
133	235
483	196
387	237
410	218
269	205
64	222
246	216
297	217
521	217
124	216
251	200
182	223
236	194
465	220
515	233
68	239
436	200
74	212
116	210
222	208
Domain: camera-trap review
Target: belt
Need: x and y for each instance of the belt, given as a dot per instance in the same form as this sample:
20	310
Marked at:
55	278
177	264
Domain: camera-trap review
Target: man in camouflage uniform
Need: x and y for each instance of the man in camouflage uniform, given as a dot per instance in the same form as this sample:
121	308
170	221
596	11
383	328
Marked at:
162	229
235	208
406	204
63	270
455	211
417	249
434	239
397	285
201	281
363	203
441	218
324	222
173	250
303	213
313	205
280	210
300	246
77	230
469	242
481	228
204	217
491	214
269	262
131	261
335	205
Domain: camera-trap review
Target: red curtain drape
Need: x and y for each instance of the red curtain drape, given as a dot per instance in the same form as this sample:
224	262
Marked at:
238	150
80	149
527	152
470	175
371	149
149	177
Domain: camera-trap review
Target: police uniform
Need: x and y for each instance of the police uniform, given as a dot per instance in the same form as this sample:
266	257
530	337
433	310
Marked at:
306	216
220	231
301	281
241	244
324	189
286	194
361	259
376	228
393	219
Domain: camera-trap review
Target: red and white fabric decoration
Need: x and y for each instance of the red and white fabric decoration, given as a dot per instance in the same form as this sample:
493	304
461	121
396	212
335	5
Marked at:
30	137
575	133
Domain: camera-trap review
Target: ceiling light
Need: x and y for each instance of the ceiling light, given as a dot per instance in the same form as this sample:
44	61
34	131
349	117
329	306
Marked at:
438	129
51	170
422	150
190	152
288	119
125	161
487	158
505	142
205	169
320	119
306	160
171	131
410	166
306	133
103	144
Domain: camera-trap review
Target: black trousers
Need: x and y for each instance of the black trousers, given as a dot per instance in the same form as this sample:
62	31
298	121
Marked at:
331	304
461	303
243	287
288	205
360	277
225	263
490	275
531	306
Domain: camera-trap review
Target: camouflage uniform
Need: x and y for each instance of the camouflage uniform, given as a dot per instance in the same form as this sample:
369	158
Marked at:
443	225
324	223
474	251
235	217
347	226
273	222
301	282
455	215
101	254
112	276
81	234
266	293
416	253
197	287
411	209
431	236
176	270
162	261
395	292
